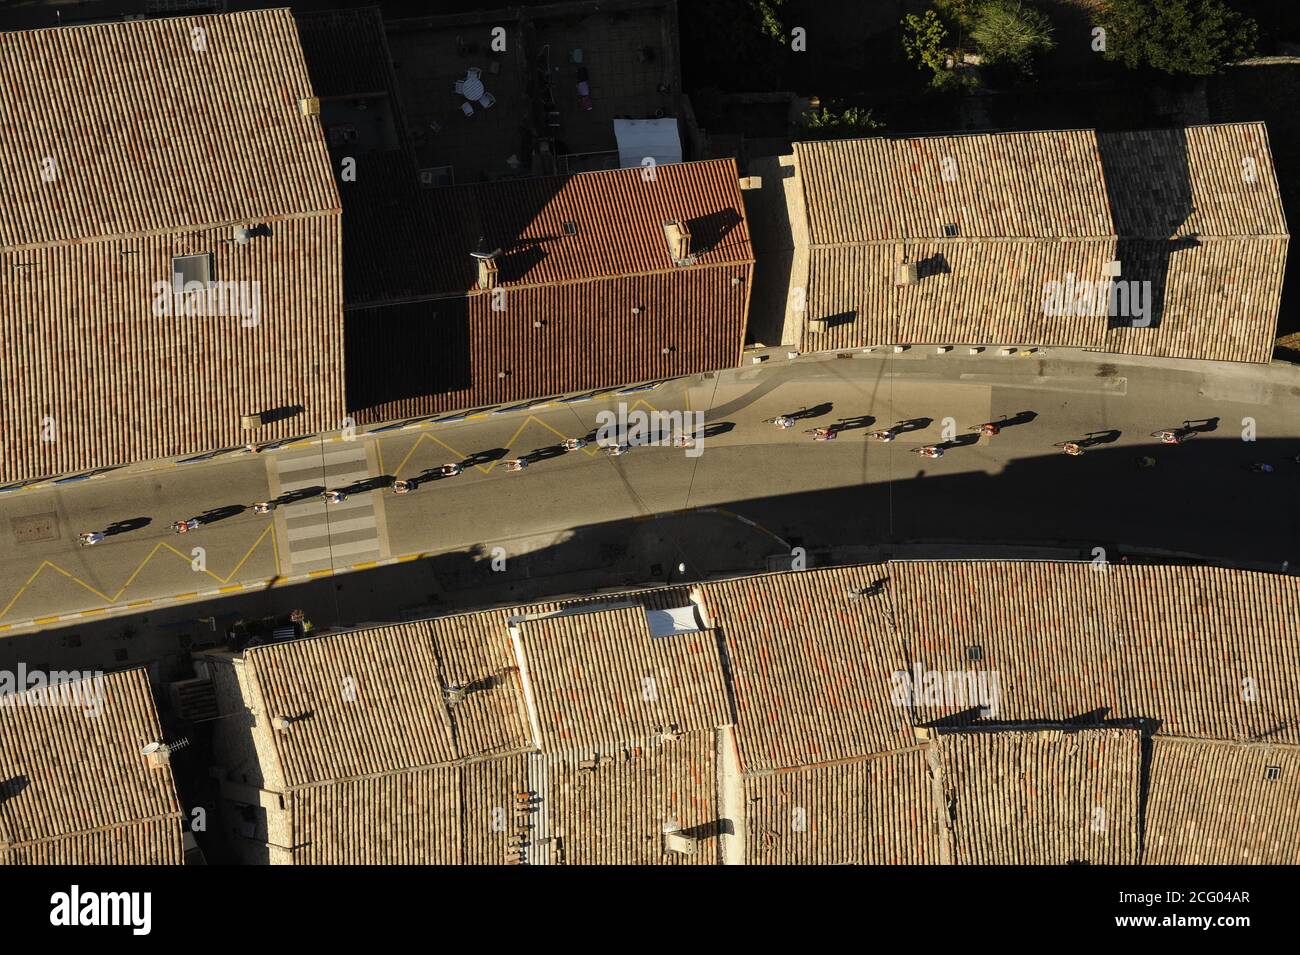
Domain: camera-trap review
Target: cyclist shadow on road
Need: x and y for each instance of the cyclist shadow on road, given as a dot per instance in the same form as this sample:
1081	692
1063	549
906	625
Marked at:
484	457
126	526
370	484
854	423
545	454
1094	438
1020	417
302	494
912	424
807	414
222	513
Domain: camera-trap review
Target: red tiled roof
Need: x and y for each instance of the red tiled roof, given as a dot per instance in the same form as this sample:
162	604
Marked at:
447	354
406	242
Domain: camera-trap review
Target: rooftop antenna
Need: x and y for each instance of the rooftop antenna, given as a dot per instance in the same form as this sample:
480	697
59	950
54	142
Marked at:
484	251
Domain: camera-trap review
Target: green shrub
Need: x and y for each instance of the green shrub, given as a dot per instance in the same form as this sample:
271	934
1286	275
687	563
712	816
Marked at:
1007	31
829	123
923	40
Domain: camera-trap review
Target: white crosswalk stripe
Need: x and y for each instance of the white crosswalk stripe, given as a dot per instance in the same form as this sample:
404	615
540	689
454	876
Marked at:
321	535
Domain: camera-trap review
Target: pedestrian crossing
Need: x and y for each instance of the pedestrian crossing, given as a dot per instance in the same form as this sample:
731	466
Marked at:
318	535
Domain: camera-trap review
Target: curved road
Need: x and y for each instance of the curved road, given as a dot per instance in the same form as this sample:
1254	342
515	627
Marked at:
569	513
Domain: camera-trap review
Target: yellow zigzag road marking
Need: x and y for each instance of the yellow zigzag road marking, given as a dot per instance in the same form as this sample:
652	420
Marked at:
424	436
487	469
135	573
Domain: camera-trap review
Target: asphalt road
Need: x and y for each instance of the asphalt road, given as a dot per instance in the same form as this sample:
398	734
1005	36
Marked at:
571	514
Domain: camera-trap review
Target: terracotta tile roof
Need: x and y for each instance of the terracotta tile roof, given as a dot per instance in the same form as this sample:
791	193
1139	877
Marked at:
615	812
446	350
495	810
409	818
1215	804
447	354
805	672
877	811
853	288
601	677
1016	620
810	667
446	815
1042	798
1009	185
1209	181
148	842
990	218
1179	646
74	788
122	385
1220	300
1209	652
617	216
91	376
372	701
149	135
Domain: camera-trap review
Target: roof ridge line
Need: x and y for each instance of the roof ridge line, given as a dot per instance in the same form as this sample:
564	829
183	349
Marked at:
150	233
459	763
22	843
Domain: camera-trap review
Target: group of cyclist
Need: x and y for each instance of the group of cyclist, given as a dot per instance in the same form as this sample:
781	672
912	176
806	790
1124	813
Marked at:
987	429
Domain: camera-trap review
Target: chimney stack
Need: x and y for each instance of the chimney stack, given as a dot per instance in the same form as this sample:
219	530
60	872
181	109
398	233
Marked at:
486	257
156	755
678	237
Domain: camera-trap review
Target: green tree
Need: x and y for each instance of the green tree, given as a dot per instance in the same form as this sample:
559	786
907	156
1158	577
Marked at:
832	123
923	40
1176	36
1007	31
